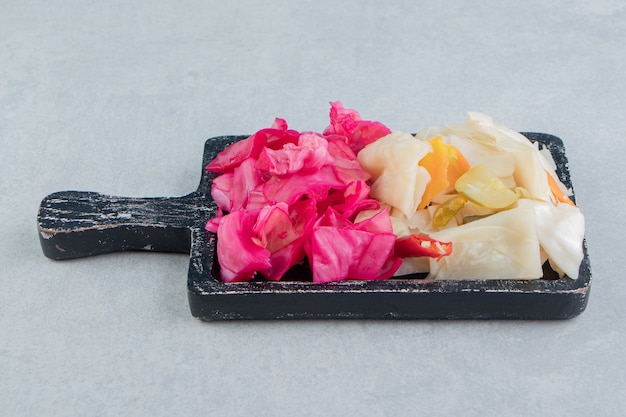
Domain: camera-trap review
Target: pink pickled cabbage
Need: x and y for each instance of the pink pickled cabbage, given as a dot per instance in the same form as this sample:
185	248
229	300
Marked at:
284	196
240	256
283	231
274	138
357	132
339	249
309	155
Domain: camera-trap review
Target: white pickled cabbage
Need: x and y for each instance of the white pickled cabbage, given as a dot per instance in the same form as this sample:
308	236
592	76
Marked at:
502	246
510	244
413	266
561	229
509	154
502	137
476	153
530	175
393	162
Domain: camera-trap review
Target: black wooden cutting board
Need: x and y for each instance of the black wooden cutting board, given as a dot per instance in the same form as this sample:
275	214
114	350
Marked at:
75	224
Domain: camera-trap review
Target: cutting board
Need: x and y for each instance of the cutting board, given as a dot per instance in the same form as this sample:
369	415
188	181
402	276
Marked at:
75	224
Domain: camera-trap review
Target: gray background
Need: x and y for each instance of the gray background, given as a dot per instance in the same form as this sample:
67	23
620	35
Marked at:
119	98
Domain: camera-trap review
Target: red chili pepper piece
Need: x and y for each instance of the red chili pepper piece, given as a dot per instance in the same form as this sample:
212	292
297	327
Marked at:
421	245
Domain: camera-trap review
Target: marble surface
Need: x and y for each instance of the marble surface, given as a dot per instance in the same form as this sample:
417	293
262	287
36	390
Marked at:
119	97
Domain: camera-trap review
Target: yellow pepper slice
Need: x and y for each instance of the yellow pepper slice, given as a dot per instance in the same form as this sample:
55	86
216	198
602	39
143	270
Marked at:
457	165
446	211
445	164
483	187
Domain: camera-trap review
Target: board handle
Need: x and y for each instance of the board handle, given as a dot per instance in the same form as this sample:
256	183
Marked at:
74	224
